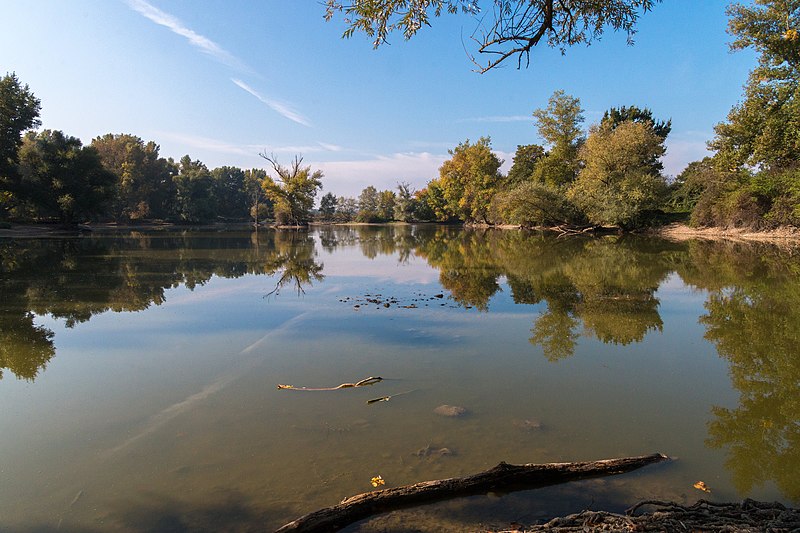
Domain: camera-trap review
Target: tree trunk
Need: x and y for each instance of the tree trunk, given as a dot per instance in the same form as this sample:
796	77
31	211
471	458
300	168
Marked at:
503	477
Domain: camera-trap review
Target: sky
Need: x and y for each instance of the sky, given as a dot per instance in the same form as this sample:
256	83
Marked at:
225	80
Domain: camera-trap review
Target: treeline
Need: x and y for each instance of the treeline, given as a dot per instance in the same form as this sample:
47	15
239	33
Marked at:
608	175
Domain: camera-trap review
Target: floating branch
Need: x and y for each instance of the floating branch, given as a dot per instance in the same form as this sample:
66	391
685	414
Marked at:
363	383
503	477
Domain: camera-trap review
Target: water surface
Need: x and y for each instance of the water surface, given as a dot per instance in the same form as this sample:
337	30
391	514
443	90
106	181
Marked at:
140	372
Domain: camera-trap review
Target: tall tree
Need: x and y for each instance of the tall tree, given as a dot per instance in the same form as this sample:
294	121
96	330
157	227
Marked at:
144	180
229	192
62	179
559	124
292	191
368	205
194	201
618	182
469	179
524	164
386	201
260	207
405	203
327	206
19	112
510	28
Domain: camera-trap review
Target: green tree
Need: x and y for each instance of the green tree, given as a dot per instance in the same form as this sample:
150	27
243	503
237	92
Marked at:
559	124
346	209
533	204
19	112
510	28
469	179
327	206
194	200
62	179
386	201
616	116
231	197
260	207
524	164
618	182
292	191
144	180
368	205
405	203
758	148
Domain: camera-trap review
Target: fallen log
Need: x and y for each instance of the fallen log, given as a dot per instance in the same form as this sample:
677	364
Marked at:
503	477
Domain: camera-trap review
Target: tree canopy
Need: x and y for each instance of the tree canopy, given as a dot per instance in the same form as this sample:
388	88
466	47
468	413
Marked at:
504	28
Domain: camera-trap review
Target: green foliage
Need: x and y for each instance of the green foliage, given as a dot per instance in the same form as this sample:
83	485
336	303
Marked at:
368	205
616	116
559	124
327	206
405	203
61	179
19	112
144	180
533	204
509	28
386	201
469	179
260	207
194	192
229	193
346	209
618	183
292	191
524	164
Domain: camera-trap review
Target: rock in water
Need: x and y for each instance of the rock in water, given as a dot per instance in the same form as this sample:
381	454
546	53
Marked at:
450	410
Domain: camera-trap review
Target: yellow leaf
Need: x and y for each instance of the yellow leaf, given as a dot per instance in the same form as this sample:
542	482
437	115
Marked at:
701	486
378	480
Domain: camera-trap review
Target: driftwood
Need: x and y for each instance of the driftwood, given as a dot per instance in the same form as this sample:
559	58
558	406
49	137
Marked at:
363	383
503	477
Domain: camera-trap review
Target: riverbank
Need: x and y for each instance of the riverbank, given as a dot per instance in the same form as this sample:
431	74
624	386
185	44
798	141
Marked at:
682	232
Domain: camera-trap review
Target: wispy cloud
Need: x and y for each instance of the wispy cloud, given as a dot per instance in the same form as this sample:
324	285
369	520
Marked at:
279	107
207	144
204	44
499	118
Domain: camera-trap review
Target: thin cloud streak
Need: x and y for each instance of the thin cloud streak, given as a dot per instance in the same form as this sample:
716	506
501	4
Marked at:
278	107
204	44
499	118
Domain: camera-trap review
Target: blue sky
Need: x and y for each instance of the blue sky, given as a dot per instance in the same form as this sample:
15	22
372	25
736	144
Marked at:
222	81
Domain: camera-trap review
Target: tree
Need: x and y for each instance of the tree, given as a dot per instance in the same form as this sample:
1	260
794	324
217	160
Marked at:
533	204
757	158
19	111
386	201
144	180
346	209
559	124
194	200
327	206
524	164
616	116
469	179
618	182
260	206
292	191
229	193
368	205
405	203
512	28
60	178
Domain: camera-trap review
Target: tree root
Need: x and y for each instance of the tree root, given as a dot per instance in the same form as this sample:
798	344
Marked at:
749	517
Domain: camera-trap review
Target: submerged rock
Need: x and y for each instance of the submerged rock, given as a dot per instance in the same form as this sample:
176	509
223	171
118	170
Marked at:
452	411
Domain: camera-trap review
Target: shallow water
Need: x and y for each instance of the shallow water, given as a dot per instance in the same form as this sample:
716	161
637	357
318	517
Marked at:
140	372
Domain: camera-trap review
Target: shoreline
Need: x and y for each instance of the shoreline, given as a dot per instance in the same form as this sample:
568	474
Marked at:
675	231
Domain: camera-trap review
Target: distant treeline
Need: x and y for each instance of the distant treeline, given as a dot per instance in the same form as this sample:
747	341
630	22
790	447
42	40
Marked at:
610	175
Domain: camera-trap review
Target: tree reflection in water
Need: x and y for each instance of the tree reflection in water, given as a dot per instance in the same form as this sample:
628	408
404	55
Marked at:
602	287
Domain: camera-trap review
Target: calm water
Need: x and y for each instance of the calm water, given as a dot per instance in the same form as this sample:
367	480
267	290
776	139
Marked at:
139	373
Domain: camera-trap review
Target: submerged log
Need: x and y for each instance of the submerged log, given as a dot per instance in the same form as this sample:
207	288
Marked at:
503	477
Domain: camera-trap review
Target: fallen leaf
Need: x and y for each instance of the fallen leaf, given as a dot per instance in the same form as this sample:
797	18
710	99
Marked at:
377	480
701	486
